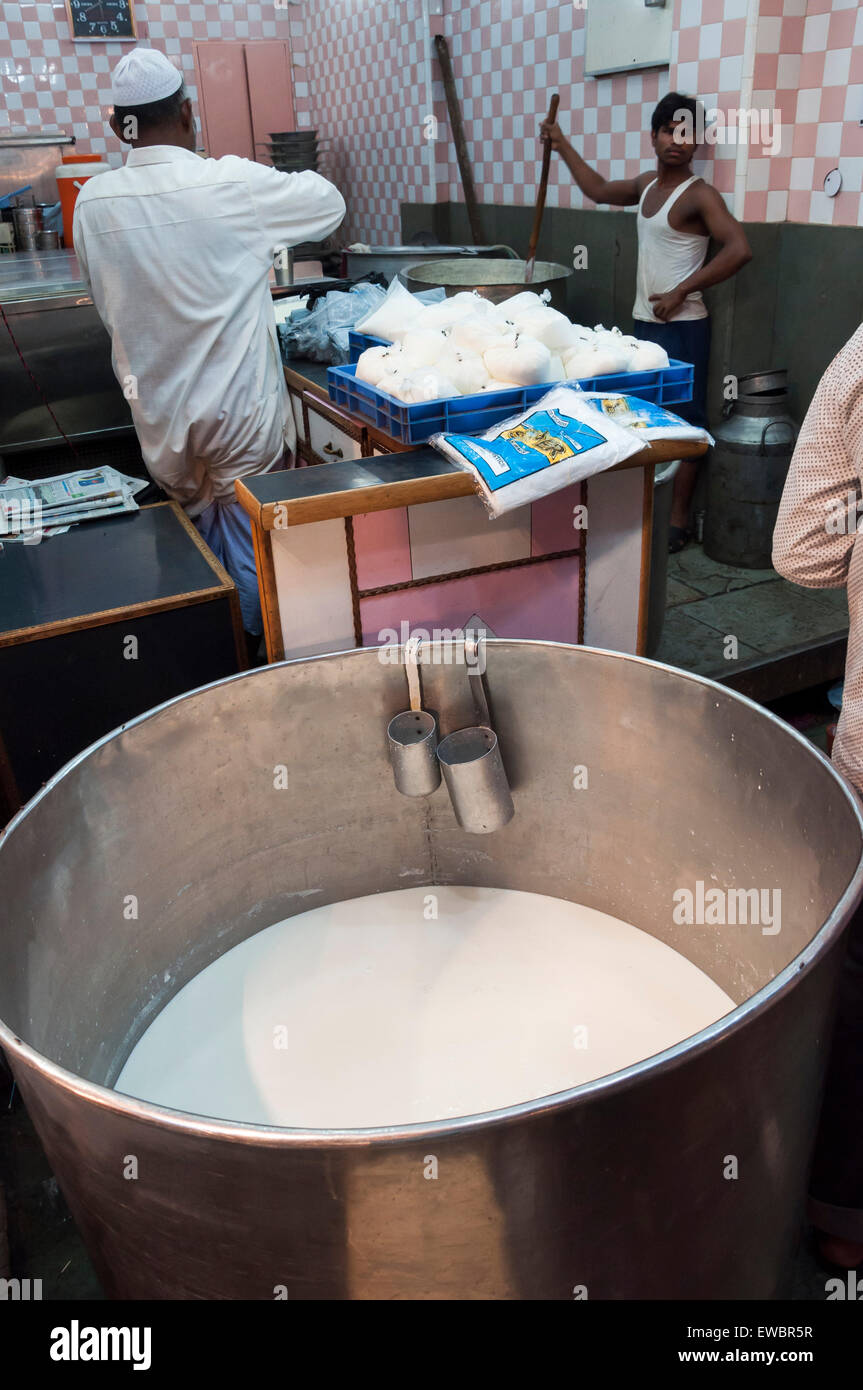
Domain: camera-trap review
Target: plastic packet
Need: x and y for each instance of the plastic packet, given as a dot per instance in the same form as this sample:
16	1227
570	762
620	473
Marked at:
394	316
560	439
340	309
652	421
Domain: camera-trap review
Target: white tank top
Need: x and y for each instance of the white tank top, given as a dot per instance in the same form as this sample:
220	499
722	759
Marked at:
666	258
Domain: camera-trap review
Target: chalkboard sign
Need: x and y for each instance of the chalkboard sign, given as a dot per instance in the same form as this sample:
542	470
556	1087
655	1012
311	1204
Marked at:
102	20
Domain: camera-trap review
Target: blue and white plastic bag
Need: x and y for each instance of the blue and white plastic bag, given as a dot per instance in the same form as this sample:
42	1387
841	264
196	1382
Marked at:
650	420
561	439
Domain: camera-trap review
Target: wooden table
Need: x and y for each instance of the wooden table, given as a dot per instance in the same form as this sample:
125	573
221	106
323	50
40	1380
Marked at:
385	537
99	625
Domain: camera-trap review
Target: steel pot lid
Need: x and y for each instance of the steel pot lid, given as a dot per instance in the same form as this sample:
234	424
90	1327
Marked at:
487	272
760	383
496	280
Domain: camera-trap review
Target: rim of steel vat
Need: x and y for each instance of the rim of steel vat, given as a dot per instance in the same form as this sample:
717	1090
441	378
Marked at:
276	1136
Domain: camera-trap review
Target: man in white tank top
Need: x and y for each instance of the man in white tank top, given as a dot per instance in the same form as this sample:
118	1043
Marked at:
678	213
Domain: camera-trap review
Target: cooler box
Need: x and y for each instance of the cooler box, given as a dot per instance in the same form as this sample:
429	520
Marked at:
71	176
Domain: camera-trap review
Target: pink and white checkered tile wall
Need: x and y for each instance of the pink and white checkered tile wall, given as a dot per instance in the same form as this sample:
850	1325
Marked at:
803	61
47	79
507	59
363	83
816	51
366	77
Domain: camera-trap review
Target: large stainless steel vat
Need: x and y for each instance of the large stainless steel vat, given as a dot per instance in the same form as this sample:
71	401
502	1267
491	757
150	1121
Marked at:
622	1187
400	260
496	280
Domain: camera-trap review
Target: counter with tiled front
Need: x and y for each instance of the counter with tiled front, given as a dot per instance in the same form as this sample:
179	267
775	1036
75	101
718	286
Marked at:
353	551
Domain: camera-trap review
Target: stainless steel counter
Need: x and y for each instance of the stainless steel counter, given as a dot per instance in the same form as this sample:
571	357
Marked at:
45	304
48	315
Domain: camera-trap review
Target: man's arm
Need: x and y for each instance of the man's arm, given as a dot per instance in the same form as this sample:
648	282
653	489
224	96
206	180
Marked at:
813	539
621	193
734	252
294	207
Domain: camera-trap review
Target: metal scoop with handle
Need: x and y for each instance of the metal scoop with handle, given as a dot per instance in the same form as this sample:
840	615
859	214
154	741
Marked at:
472	765
412	736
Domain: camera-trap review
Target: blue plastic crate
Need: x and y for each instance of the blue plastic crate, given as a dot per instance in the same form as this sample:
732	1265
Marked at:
414	424
358	342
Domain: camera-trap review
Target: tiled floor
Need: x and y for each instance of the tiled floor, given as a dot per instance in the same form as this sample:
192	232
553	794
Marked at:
708	603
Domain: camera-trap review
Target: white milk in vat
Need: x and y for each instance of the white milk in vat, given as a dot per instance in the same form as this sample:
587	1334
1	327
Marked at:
377	1012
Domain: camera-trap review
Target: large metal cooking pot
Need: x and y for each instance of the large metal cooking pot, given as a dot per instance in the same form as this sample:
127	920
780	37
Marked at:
496	280
620	1186
398	260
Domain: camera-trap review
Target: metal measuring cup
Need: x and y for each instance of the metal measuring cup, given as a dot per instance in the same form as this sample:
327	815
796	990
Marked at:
412	736
472	765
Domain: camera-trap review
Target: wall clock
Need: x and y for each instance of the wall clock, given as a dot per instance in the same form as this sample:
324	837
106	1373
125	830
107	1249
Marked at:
105	21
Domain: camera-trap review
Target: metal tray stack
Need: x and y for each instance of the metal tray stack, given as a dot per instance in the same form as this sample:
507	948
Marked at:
293	150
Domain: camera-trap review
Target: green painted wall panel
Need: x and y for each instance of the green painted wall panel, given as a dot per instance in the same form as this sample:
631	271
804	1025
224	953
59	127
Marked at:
819	302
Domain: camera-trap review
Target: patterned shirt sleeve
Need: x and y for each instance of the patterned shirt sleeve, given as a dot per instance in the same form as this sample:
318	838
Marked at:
816	529
819	523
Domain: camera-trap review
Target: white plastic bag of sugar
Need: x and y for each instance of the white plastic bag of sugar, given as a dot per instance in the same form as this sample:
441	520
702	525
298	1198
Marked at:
561	439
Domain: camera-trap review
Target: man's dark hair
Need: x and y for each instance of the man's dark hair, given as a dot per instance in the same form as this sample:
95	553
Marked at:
154	113
666	110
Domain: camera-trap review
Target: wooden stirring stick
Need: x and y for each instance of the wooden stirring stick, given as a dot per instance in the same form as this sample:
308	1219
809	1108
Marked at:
540	197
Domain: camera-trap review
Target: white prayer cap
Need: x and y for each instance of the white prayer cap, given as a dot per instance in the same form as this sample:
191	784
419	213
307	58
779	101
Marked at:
142	76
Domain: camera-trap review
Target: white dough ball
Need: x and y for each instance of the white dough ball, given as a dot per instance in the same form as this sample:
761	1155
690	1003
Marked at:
645	356
445	314
476	303
478	332
423	346
466	369
578	361
610	341
590	360
428	385
524	302
548	326
394	384
525	362
375	362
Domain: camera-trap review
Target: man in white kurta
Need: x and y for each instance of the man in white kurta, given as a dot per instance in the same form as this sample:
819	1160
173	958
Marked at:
177	250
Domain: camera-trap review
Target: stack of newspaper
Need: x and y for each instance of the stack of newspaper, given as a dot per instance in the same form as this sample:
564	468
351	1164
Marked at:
31	510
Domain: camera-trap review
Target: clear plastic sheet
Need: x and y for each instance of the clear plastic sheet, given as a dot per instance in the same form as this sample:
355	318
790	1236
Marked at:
322	335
